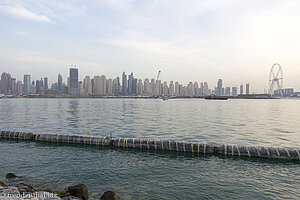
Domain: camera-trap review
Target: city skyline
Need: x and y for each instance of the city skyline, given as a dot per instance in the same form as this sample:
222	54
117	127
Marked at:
188	41
102	85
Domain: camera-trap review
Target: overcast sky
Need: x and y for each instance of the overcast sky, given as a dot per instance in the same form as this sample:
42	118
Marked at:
189	40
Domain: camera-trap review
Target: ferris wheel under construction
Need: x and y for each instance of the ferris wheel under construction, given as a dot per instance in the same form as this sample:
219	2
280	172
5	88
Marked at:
276	80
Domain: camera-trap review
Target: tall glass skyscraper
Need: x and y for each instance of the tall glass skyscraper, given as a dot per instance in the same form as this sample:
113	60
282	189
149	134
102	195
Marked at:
73	81
27	84
59	83
124	83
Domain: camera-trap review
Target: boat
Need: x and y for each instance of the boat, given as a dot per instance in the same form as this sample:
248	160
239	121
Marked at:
214	97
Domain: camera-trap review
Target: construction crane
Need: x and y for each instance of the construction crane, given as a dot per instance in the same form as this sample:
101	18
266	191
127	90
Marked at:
158	76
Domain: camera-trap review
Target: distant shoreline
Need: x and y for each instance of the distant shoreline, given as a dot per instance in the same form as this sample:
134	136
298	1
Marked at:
252	96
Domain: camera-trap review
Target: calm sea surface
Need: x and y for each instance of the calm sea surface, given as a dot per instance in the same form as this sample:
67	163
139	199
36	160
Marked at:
154	175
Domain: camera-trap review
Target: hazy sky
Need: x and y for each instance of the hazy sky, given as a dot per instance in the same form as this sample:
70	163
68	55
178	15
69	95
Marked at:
189	40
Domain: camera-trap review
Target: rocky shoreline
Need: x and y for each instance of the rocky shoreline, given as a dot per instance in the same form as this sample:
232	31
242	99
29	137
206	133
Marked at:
17	188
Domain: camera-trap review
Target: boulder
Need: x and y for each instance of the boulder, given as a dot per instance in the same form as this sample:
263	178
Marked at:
70	198
24	188
3	184
80	191
42	195
9	191
109	195
11	175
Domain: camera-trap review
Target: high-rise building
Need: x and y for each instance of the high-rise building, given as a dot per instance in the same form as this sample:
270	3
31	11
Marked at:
80	88
219	88
147	87
32	88
124	83
59	83
196	89
165	88
6	83
19	87
152	87
39	87
131	86
27	84
247	89
234	91
13	86
176	89
87	85
227	91
46	85
241	89
190	89
205	89
97	85
93	85
109	86
73	81
140	87
171	88
116	86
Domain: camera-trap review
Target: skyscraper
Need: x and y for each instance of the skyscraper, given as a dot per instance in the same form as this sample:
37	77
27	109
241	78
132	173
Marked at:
241	89
13	86
102	85
97	85
247	89
19	87
205	88
27	84
219	88
165	88
6	83
147	87
87	85
73	81
80	88
45	85
171	88
130	84
116	86
227	91
124	83
39	87
140	87
109	86
234	91
59	83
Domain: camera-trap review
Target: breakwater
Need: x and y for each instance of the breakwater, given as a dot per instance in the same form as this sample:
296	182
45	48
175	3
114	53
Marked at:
162	145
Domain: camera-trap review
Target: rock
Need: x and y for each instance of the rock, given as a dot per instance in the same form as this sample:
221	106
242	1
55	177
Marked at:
63	194
42	195
70	198
24	188
9	191
109	195
11	175
3	184
80	191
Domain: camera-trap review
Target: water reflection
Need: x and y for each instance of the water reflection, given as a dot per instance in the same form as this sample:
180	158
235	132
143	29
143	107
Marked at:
73	113
240	122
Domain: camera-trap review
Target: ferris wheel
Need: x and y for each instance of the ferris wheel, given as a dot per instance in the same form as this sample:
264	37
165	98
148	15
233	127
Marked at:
276	79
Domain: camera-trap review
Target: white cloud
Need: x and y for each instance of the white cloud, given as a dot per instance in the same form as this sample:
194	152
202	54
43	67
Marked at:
21	12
